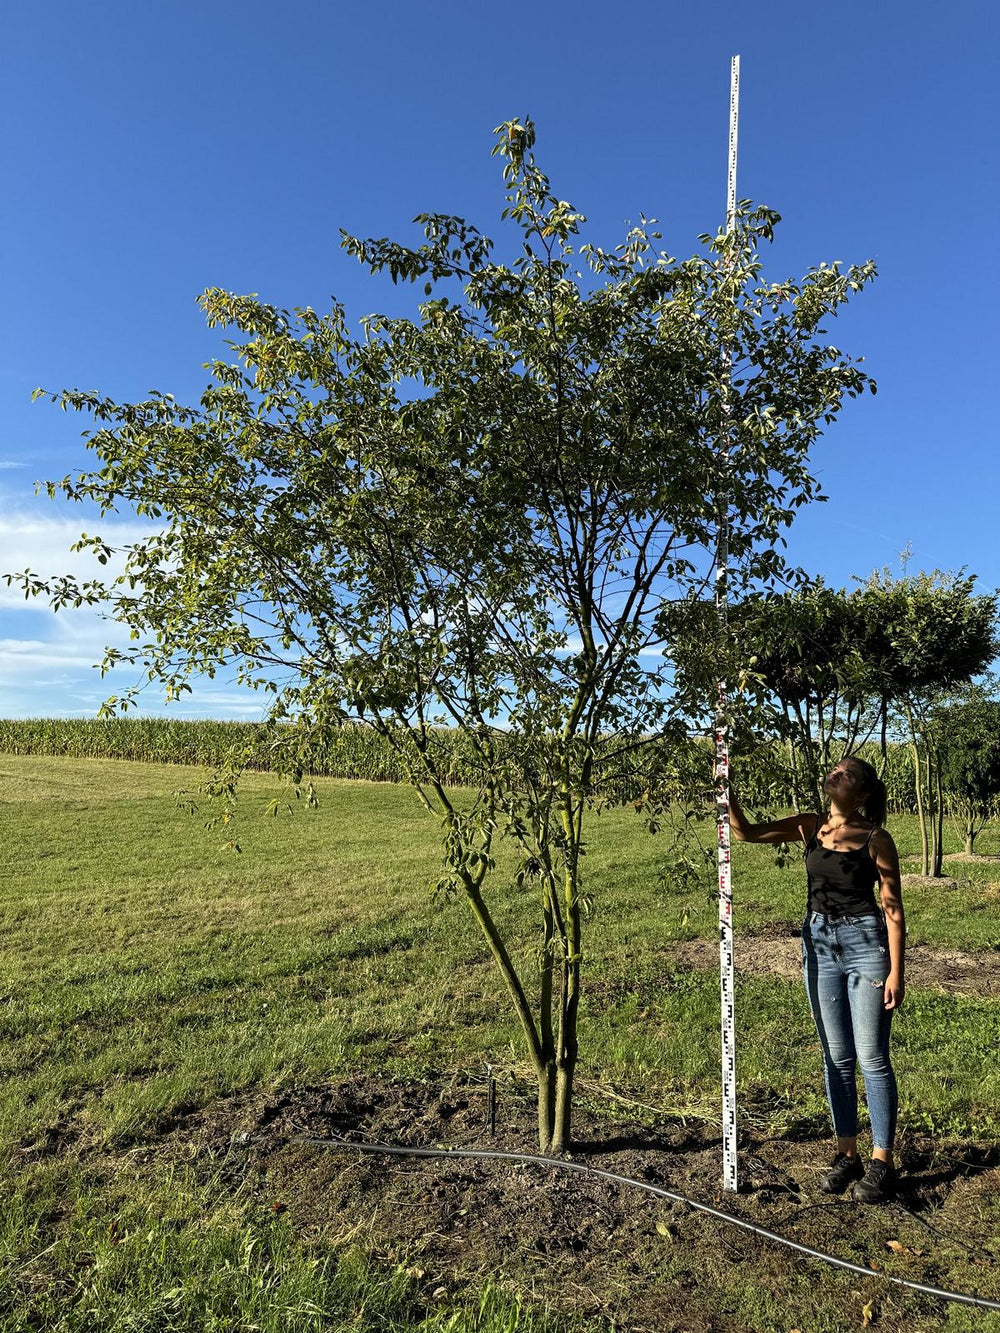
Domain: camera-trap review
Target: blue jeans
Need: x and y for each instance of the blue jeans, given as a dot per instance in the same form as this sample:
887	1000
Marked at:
845	961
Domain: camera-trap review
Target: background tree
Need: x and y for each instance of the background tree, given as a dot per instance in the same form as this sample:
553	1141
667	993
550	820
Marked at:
812	677
969	759
834	668
930	634
484	517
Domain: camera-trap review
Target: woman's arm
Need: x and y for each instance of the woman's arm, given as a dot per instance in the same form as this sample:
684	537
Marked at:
887	860
793	828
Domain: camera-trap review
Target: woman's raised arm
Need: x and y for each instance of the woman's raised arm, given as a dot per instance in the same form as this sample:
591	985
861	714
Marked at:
793	828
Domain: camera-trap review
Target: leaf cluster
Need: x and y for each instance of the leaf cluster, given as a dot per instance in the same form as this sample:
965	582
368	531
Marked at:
492	514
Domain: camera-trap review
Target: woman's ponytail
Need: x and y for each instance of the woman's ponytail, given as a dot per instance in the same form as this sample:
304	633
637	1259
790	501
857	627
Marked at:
873	807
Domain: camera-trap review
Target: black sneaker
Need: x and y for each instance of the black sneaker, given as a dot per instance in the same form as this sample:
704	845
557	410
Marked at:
844	1170
879	1183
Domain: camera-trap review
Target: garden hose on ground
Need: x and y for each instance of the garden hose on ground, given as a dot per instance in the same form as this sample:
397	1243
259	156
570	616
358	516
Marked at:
396	1151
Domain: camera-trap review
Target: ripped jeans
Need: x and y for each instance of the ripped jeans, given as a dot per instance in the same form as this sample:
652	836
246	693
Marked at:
845	961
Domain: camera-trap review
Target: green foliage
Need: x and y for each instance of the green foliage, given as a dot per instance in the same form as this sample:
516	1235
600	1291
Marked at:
346	751
933	635
970	750
485	516
926	633
678	773
969	757
831	669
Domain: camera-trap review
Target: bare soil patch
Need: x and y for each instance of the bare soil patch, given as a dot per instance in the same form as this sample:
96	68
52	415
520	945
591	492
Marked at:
942	882
777	951
580	1243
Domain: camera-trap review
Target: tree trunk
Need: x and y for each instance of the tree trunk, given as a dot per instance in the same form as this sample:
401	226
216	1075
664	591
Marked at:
564	1105
938	819
970	838
883	738
547	1068
546	1106
921	813
567	1056
925	858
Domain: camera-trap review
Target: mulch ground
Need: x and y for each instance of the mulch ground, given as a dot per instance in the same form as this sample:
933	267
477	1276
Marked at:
584	1245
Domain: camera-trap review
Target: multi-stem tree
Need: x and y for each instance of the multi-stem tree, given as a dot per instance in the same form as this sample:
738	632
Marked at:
484	517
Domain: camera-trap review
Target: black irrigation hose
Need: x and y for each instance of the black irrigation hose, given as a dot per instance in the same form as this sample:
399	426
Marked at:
939	1292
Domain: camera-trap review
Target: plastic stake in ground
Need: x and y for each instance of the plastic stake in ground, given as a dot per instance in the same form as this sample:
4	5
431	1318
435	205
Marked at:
727	985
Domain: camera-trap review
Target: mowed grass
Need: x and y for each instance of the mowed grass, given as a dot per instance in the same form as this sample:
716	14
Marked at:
148	970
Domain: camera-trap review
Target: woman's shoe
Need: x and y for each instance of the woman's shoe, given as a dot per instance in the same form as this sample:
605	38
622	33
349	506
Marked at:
878	1185
844	1170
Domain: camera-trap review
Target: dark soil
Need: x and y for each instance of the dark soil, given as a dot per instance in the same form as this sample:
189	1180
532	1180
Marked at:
582	1244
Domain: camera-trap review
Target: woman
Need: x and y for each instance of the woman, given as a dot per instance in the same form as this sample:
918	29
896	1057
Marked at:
852	958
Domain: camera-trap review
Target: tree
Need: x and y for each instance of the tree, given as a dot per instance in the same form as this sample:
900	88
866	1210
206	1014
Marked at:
833	666
812	677
970	759
930	635
484	517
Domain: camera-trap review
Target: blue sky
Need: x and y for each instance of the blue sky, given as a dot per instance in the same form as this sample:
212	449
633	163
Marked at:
153	150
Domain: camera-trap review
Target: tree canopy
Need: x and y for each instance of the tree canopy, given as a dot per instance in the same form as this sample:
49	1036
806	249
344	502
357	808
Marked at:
836	667
970	757
486	516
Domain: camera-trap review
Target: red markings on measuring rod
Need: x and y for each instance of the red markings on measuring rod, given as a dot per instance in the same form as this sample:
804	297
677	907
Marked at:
726	969
726	977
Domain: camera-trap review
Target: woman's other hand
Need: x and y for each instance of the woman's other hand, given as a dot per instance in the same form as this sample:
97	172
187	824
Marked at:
894	991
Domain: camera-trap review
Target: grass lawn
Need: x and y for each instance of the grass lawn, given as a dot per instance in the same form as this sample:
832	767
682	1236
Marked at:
148	971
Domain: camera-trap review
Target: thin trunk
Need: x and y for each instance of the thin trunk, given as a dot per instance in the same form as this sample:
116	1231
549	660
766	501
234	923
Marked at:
569	990
970	837
546	1107
564	1106
884	738
929	810
545	1008
503	961
921	813
970	828
567	1052
547	1074
938	820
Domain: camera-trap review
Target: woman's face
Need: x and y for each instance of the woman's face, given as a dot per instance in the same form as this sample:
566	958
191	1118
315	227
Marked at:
845	782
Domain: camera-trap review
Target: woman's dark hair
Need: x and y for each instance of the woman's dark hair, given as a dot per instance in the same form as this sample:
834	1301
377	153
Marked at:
873	806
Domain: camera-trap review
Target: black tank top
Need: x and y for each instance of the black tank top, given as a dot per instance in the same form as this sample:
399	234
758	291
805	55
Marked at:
841	883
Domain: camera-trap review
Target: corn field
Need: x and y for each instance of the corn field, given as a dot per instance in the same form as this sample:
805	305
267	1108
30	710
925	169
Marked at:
351	752
357	752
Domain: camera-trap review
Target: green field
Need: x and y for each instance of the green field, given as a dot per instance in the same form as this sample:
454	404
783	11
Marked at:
148	973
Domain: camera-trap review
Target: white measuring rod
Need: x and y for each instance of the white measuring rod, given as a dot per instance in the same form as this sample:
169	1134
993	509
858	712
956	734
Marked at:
727	980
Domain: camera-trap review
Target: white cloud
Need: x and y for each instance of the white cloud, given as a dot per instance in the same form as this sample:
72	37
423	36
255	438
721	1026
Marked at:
50	670
25	657
20	645
42	544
